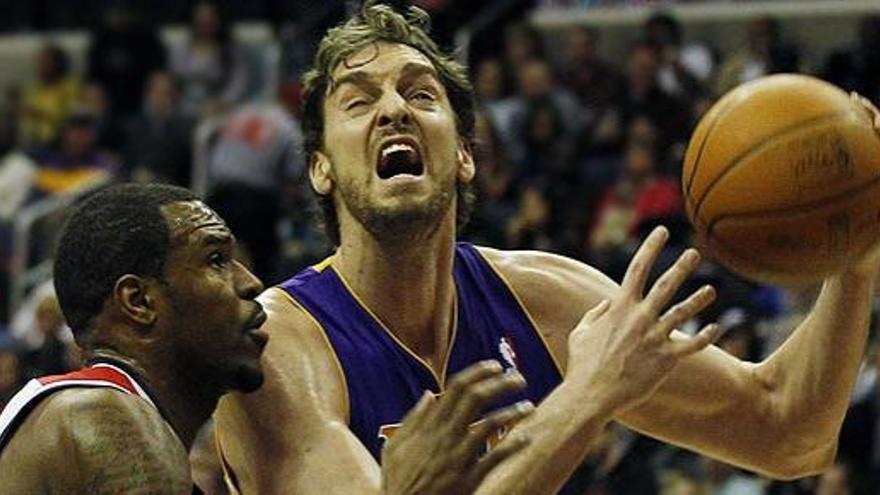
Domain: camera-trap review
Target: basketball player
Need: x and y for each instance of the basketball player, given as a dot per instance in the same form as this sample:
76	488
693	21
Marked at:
400	305
168	320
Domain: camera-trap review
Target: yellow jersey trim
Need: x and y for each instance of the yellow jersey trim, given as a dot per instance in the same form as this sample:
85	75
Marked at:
320	267
523	308
440	383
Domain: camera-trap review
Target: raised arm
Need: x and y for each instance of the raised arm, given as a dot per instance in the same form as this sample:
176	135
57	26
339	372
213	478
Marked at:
618	353
292	435
779	417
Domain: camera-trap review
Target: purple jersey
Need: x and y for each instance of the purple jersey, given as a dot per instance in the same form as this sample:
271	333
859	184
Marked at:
385	380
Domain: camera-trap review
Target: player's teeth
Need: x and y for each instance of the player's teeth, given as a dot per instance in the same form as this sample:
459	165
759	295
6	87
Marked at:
396	147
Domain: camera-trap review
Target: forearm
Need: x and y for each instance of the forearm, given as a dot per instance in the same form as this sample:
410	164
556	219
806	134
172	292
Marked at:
561	431
811	376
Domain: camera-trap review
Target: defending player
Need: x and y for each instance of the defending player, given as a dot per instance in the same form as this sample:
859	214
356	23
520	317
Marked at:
168	320
400	305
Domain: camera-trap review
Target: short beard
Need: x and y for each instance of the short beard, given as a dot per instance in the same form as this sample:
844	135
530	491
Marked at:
404	224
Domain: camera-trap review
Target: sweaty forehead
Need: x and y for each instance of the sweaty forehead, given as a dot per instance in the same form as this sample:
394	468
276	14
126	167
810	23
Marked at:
186	218
380	59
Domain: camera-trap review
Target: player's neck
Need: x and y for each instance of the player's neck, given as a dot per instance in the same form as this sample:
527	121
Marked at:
186	406
408	287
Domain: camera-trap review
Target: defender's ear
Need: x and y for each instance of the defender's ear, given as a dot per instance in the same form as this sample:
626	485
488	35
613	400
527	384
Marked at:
135	298
319	173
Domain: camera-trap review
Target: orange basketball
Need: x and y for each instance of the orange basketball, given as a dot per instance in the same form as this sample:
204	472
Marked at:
782	180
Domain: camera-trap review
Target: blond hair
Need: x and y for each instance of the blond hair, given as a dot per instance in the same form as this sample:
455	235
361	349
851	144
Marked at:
381	23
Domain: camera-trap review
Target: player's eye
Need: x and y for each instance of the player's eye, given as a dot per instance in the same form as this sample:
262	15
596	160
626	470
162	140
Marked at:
356	103
218	259
422	95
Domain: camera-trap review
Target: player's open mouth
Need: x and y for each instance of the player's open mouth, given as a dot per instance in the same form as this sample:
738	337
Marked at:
399	156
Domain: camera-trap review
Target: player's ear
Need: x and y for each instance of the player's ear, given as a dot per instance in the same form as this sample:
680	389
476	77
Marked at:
465	158
135	299
319	173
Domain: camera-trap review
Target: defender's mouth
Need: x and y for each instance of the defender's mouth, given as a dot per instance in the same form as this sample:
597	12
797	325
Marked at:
399	156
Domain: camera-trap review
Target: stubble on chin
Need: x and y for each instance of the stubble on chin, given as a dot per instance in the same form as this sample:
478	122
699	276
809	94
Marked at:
399	223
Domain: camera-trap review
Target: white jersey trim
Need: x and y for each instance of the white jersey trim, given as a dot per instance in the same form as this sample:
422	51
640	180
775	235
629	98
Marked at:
34	390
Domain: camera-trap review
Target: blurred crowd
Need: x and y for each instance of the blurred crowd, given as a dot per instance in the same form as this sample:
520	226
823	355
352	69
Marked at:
576	154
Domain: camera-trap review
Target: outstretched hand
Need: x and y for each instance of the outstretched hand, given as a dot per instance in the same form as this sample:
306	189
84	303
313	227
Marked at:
440	447
623	349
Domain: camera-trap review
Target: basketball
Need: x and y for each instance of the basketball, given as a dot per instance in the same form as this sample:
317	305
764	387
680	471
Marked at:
782	180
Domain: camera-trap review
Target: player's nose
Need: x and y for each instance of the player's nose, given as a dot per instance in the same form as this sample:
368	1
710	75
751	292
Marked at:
247	285
392	110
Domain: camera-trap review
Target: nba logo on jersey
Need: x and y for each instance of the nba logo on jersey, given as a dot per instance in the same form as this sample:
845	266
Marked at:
507	353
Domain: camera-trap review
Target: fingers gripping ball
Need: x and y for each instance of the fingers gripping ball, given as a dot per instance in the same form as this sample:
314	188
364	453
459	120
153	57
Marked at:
782	179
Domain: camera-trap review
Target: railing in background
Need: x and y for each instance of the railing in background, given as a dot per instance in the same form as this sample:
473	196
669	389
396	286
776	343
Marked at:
28	272
203	139
818	26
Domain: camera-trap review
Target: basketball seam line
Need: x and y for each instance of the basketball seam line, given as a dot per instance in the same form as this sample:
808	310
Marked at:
760	145
721	113
801	208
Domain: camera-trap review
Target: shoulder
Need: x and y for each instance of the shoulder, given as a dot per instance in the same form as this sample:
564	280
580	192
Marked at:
303	387
71	406
108	441
554	290
533	273
301	370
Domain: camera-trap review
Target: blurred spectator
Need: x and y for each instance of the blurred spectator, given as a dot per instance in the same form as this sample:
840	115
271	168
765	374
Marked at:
489	82
11	376
255	166
858	68
835	481
547	144
494	186
46	103
527	228
740	338
549	164
765	53
644	97
159	141
596	83
210	65
641	198
536	82
17	171
674	482
76	161
52	356
23	327
522	43
723	479
685	68
109	125
860	435
122	53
